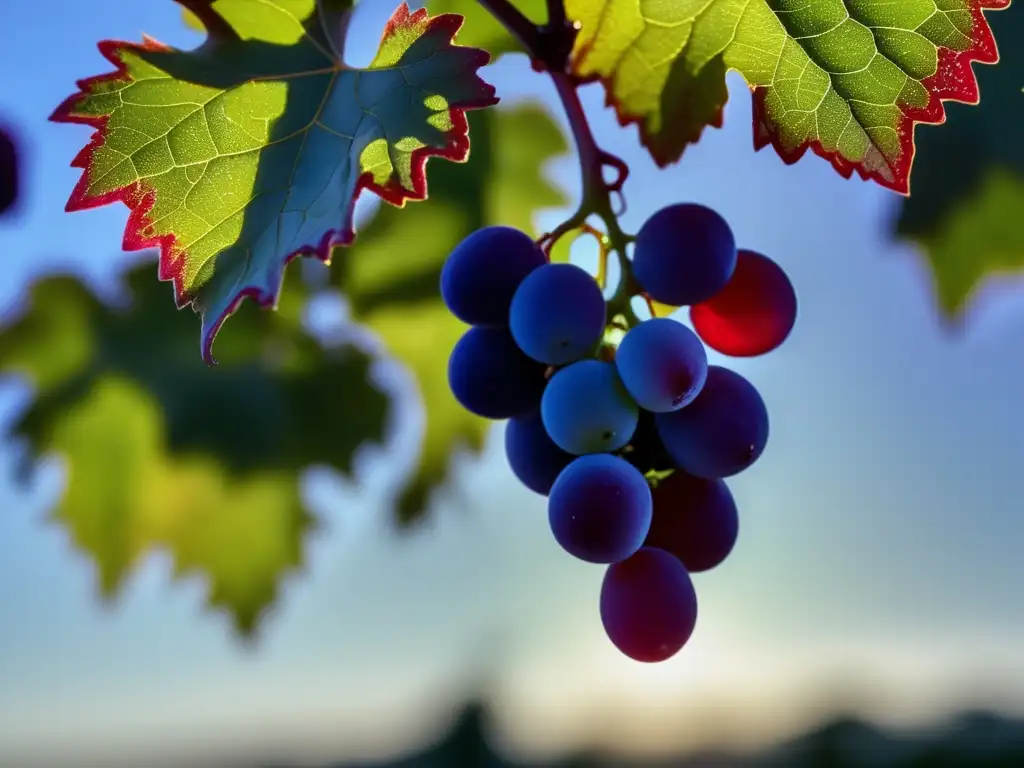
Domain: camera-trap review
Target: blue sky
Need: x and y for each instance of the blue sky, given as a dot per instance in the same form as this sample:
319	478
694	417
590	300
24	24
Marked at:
877	567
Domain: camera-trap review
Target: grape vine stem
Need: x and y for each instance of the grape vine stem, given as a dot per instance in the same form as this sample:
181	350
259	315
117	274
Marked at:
549	47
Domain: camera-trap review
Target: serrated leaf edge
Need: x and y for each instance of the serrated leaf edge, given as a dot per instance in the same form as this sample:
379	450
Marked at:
954	80
626	119
140	203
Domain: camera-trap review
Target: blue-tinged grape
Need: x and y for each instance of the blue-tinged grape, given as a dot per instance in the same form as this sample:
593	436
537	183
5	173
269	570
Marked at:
753	314
491	377
532	455
558	314
648	605
600	509
695	519
9	181
684	254
722	432
483	272
663	364
586	409
646	452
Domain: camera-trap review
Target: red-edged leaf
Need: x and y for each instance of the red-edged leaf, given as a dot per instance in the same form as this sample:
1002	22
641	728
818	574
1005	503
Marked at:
848	80
251	150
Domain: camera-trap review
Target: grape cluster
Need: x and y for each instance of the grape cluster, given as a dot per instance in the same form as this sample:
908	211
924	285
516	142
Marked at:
631	441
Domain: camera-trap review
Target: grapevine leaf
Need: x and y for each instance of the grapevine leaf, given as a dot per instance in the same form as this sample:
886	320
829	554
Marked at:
165	455
251	150
482	30
192	21
391	276
242	535
849	79
965	210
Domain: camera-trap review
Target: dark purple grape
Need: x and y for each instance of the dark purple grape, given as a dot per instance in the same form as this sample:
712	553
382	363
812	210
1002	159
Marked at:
684	254
695	519
646	452
722	432
491	377
648	605
662	363
600	509
558	314
9	175
753	314
532	455
587	410
483	272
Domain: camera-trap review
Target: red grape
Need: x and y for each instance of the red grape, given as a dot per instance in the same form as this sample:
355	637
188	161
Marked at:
754	312
648	605
695	519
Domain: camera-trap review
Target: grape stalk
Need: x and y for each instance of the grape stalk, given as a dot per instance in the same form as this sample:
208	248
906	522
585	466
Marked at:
619	419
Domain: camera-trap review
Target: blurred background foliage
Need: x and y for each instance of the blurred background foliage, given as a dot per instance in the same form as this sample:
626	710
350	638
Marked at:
976	739
206	465
968	185
163	453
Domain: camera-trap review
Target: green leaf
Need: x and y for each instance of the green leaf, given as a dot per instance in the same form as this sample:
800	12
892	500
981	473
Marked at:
482	30
479	30
392	275
966	207
165	454
127	496
191	20
848	79
252	149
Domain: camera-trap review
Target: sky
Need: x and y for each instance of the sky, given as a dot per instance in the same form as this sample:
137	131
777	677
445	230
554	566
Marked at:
877	569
